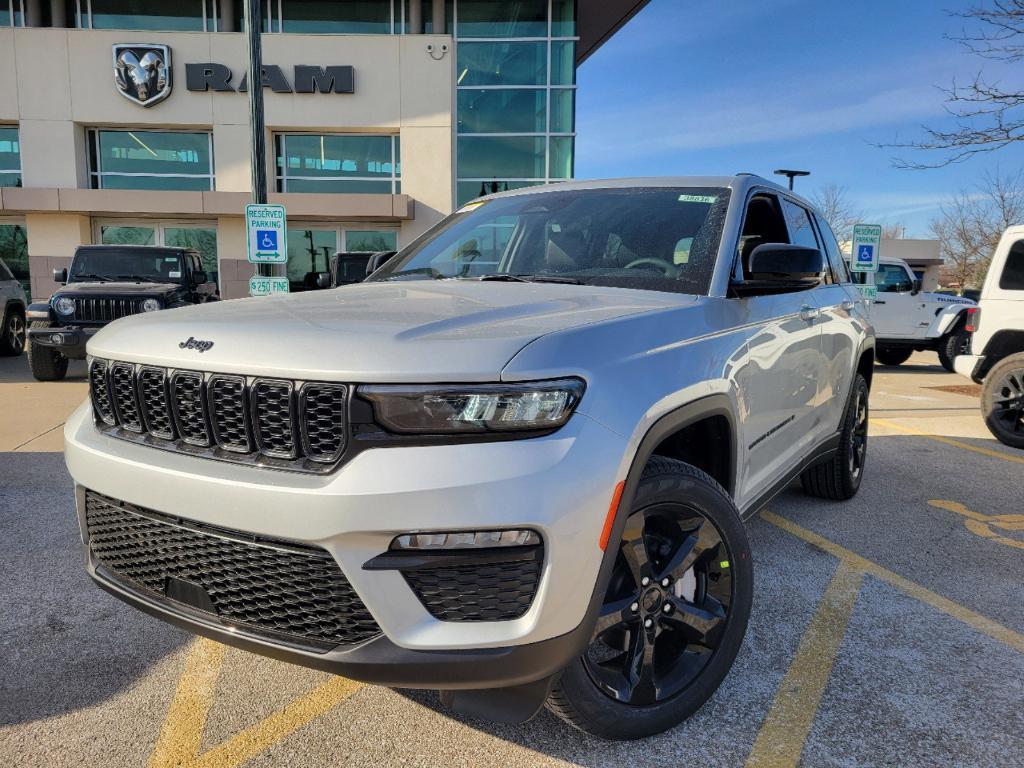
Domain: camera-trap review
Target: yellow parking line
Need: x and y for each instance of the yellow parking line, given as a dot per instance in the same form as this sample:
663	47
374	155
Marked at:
948	441
182	733
782	736
983	624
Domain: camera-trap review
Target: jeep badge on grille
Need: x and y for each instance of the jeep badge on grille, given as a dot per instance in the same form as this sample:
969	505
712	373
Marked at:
193	343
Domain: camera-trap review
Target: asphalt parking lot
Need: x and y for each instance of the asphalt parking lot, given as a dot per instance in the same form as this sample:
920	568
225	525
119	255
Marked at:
886	631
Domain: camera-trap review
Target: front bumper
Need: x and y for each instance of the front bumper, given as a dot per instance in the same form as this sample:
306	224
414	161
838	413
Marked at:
69	341
558	485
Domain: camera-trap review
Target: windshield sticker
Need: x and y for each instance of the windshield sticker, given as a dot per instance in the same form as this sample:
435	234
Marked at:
171	259
709	199
174	274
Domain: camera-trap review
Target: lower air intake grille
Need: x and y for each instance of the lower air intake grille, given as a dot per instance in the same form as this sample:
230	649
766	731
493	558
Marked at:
486	592
281	591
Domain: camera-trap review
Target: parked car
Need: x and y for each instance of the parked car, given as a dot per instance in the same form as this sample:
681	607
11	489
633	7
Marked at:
521	486
106	283
995	354
907	319
12	312
348	268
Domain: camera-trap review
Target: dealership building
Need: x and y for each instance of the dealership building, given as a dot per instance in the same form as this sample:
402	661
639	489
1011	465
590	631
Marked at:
127	122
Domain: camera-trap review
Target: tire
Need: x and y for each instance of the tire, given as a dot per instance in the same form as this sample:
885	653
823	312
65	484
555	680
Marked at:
1002	401
12	333
680	516
893	355
46	364
840	477
952	344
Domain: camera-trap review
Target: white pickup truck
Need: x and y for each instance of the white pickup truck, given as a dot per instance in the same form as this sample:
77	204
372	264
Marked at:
995	351
908	320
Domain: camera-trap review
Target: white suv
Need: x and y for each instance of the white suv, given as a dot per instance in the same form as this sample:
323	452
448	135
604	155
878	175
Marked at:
513	483
995	356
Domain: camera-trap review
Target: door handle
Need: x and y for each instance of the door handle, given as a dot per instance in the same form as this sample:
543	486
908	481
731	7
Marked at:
879	302
807	312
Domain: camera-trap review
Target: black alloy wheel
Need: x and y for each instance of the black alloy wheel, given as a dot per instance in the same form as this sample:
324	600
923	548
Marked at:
859	447
666	608
1002	401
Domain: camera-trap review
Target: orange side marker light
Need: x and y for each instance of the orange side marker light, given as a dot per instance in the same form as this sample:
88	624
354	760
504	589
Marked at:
609	522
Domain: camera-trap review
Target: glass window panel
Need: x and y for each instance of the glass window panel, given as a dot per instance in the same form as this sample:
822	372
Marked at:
1012	278
333	156
502	111
10	179
563	63
155	152
563	110
501	157
10	149
201	239
184	15
309	252
503	18
371	240
116	235
177	183
339	186
801	230
5	16
503	64
563	18
561	149
14	252
355	17
471	190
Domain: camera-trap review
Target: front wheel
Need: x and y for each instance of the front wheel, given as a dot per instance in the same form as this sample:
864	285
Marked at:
1002	401
12	334
955	343
674	614
893	355
839	478
47	364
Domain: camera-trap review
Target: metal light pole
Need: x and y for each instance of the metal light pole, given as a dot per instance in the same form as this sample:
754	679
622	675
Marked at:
791	175
251	10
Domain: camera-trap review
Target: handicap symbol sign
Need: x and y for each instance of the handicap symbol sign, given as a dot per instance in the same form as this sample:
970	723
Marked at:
865	254
266	239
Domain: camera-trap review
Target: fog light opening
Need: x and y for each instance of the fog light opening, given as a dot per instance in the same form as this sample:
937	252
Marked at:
452	540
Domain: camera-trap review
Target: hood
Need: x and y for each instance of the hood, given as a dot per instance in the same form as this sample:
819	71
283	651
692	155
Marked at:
118	289
423	331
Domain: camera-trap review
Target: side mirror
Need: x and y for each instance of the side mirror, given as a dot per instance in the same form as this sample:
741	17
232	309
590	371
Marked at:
780	267
323	280
916	287
199	277
60	275
378	260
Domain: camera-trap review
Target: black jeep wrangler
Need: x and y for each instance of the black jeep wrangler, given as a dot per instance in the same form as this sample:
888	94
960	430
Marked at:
105	283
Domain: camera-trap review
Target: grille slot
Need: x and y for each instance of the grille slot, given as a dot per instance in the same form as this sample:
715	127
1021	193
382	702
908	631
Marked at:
105	310
126	405
229	414
279	590
99	390
322	409
275	423
153	399
492	591
188	401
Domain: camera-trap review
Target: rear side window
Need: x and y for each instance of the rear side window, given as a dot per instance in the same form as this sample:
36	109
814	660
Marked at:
1012	278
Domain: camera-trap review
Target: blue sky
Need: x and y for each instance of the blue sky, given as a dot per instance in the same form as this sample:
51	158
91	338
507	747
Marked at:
721	86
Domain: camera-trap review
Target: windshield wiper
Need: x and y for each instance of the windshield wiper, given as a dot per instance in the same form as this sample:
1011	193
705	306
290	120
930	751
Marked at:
510	278
90	276
423	273
141	278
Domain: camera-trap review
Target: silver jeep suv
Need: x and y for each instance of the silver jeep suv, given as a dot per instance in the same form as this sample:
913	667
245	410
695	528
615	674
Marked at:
512	466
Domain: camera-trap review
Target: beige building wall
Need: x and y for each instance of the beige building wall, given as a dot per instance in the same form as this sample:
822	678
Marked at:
57	83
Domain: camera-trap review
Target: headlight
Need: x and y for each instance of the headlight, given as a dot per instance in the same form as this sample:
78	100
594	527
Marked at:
150	305
64	305
475	409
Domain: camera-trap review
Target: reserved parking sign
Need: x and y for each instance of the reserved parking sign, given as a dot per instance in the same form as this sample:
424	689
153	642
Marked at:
267	230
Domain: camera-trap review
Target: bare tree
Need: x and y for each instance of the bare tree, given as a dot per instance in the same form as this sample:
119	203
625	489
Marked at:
971	223
838	210
987	115
893	231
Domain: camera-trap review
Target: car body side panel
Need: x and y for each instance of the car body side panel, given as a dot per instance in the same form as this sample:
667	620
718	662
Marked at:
843	323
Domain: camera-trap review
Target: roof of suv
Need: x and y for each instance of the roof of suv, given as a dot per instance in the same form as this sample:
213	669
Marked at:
147	248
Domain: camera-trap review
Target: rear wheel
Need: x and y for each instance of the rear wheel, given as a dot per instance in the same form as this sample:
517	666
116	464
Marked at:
956	342
47	364
12	334
1002	401
674	614
893	355
839	478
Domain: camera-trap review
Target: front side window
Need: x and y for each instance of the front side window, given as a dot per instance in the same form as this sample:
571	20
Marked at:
10	157
338	163
651	238
1012	278
167	160
100	264
892	278
800	229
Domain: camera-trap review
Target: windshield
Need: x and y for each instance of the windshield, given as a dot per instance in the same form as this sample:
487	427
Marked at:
651	238
136	266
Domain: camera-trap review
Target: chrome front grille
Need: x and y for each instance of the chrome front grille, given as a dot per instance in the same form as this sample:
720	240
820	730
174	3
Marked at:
271	422
105	310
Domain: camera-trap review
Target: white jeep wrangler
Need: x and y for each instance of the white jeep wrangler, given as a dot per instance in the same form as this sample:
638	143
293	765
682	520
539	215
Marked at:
909	320
995	351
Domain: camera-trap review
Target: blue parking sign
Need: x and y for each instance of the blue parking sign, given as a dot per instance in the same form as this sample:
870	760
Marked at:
866	254
266	239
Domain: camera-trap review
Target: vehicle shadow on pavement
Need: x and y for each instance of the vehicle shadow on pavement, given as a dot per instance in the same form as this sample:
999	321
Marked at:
16	371
66	644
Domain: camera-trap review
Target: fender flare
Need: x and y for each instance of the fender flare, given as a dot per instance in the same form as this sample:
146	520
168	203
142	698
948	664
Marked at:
39	310
946	320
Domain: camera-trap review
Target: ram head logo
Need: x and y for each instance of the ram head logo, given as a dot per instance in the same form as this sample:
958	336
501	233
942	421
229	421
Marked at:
142	72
